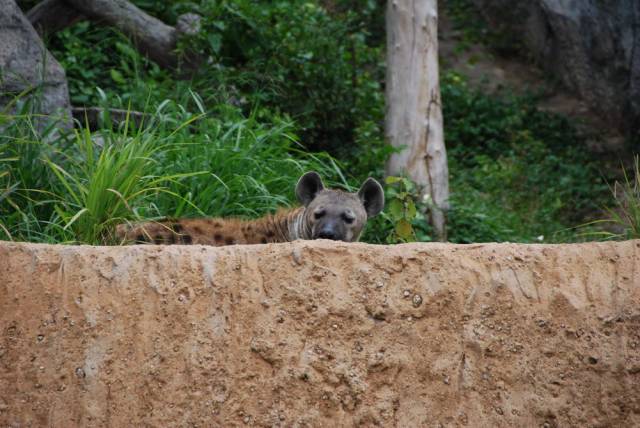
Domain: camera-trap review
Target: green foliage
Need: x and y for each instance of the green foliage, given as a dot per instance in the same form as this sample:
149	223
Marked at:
292	57
404	218
517	173
401	208
25	203
98	56
101	182
252	165
295	57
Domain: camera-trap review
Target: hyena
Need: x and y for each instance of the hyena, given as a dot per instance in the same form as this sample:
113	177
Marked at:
324	214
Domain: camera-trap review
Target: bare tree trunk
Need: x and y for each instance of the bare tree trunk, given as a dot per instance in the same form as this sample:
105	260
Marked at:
414	113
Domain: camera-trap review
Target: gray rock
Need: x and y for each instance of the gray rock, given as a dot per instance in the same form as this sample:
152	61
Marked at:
26	65
592	46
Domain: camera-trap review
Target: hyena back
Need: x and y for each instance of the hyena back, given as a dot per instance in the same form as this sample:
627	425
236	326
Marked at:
324	214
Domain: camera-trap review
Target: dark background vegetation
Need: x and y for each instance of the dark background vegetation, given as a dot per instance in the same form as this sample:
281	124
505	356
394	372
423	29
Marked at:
288	86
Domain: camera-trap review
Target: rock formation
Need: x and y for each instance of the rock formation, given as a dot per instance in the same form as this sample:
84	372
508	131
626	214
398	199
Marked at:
592	46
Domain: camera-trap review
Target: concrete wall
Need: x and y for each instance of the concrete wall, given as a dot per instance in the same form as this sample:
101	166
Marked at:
320	334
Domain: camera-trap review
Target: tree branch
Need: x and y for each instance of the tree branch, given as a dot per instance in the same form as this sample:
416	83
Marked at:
152	37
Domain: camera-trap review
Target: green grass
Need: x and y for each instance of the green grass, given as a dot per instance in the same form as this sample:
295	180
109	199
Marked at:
78	187
99	184
623	216
626	212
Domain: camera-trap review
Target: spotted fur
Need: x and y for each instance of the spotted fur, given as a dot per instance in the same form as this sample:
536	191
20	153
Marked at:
325	214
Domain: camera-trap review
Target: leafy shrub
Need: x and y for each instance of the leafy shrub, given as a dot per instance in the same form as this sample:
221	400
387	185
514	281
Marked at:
517	173
291	57
401	206
98	56
403	219
297	58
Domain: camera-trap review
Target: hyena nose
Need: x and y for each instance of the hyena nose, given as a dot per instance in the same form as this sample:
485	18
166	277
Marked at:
327	234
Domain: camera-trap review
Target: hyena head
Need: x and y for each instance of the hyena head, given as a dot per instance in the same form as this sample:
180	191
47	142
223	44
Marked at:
334	214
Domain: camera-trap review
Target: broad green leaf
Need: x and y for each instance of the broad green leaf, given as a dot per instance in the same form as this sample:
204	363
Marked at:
117	76
215	42
396	209
392	180
404	229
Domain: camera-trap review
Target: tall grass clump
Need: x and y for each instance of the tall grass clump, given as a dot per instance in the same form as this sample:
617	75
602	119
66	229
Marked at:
72	187
251	166
26	200
624	215
78	187
101	182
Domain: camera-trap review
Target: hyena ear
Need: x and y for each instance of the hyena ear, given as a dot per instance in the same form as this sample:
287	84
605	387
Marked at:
308	186
372	197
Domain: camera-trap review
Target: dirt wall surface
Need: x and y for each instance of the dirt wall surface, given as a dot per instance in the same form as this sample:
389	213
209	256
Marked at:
320	334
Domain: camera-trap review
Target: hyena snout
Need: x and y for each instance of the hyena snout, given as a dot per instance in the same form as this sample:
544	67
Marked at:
330	230
327	234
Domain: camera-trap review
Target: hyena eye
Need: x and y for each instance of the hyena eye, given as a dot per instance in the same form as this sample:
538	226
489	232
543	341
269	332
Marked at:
318	214
348	218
